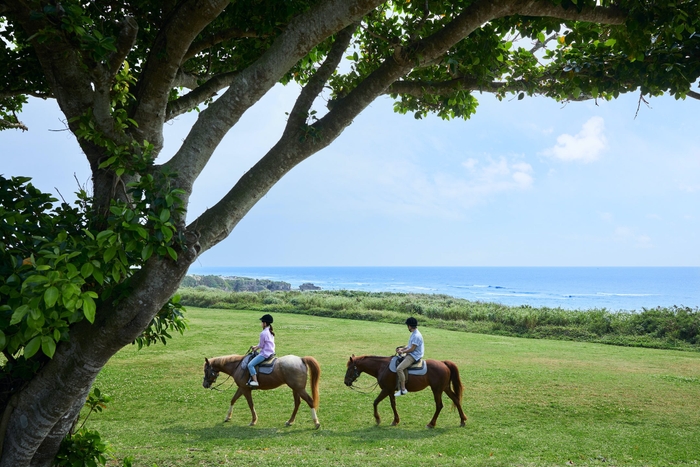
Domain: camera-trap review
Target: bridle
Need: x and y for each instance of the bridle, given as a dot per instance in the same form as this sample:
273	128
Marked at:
210	375
356	375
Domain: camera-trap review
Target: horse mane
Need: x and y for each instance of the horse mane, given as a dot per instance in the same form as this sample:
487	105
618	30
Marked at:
369	357
220	362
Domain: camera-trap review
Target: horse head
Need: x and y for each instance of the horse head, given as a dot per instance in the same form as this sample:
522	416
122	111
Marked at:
210	374
352	373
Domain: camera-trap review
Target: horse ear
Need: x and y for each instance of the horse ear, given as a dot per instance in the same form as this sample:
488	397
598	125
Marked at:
206	359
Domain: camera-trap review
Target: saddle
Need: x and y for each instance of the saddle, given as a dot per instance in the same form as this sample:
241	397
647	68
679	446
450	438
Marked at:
419	368
265	367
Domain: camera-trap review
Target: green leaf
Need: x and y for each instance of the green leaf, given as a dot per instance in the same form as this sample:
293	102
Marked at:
104	234
86	270
50	296
164	215
34	280
99	277
146	252
110	253
19	313
32	347
89	308
48	346
172	253
610	42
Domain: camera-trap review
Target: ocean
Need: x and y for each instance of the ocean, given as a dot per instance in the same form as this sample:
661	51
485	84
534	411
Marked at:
572	288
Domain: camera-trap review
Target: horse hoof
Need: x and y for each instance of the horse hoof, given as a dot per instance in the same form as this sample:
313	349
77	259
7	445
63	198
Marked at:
226	420
287	423
252	423
318	425
430	426
394	423
462	424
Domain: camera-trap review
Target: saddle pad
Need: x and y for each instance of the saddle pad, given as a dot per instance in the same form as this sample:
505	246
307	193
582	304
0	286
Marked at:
419	368
265	367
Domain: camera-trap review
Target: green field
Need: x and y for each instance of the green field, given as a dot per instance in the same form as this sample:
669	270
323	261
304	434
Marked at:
530	402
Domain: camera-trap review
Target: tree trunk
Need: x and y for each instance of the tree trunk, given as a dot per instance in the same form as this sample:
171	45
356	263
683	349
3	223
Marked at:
47	406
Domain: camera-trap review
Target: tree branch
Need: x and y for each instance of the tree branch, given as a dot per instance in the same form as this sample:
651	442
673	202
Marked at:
290	150
693	94
217	222
8	125
183	25
186	80
125	42
299	114
215	39
301	35
195	97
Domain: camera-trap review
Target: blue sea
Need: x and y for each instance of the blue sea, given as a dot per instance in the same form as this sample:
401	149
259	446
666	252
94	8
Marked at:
611	288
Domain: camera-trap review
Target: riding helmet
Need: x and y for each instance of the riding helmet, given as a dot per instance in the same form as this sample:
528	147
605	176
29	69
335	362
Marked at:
266	319
413	322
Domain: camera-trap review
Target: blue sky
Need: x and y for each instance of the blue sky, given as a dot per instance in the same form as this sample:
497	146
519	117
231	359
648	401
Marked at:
522	183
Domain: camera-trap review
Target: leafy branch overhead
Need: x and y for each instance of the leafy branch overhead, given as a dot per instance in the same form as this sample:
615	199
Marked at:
77	283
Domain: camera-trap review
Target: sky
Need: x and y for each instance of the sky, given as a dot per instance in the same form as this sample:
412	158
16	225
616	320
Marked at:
527	182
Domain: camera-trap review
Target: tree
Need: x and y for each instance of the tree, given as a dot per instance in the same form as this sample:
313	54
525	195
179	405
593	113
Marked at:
79	283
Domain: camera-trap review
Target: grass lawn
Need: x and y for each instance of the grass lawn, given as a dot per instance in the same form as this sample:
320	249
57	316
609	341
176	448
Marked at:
529	402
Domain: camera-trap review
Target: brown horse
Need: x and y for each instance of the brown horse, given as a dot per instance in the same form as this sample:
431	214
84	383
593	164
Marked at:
290	370
442	376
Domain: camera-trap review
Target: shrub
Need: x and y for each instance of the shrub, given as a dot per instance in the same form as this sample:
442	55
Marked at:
675	327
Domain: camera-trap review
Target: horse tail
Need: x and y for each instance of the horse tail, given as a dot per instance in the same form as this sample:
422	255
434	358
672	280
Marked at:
456	382
315	371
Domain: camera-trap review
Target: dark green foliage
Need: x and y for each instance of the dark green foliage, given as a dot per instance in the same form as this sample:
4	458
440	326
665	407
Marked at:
56	268
85	448
234	284
673	328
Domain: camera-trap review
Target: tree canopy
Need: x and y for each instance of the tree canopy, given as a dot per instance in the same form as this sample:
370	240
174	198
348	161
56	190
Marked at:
79	283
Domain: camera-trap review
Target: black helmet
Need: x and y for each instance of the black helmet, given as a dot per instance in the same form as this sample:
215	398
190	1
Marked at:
413	322
266	319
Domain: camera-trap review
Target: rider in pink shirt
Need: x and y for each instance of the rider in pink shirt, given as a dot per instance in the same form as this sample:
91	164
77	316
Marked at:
266	346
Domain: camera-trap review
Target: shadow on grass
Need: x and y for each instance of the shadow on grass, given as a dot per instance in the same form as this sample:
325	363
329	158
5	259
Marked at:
226	431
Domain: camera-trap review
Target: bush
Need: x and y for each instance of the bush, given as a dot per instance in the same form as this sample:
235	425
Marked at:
675	327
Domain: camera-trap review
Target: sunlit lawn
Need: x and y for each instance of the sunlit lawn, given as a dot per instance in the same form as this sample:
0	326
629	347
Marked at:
529	402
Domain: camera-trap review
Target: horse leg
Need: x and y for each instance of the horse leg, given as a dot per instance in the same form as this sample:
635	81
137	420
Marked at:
233	401
307	398
297	401
249	398
392	399
453	396
382	395
437	393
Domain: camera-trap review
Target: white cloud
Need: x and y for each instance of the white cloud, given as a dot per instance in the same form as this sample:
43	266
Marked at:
586	146
628	235
400	187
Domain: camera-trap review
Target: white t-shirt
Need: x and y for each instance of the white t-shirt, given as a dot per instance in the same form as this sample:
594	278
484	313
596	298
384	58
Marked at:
416	338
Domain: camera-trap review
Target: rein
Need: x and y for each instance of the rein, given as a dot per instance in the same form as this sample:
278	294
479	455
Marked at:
216	388
367	390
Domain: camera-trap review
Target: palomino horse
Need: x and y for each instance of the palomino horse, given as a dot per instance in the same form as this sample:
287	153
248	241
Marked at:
290	370
442	376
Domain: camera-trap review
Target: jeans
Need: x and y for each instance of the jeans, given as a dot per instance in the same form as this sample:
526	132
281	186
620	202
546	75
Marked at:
402	370
253	362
